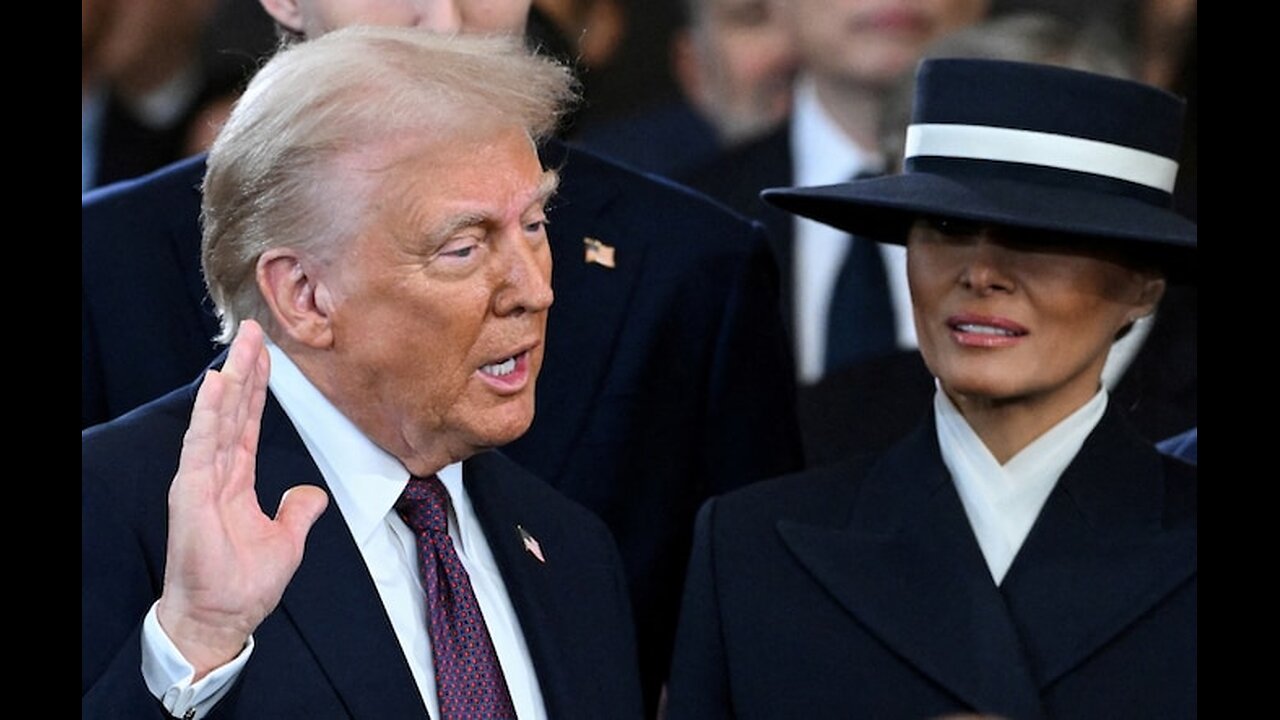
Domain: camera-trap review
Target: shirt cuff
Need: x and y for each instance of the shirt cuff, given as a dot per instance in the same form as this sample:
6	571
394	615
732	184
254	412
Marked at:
168	674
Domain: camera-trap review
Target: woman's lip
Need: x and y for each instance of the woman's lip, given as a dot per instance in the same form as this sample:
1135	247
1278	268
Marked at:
986	331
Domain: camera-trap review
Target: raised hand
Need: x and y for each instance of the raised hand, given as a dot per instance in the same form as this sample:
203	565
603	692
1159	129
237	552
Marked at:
227	562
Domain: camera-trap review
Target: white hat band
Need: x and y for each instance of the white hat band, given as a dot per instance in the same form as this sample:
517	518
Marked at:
984	142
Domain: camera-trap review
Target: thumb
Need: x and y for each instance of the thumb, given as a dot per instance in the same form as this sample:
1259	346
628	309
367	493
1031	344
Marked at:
300	508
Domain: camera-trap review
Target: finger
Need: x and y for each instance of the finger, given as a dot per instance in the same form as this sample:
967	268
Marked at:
241	373
196	462
257	400
249	419
300	507
240	367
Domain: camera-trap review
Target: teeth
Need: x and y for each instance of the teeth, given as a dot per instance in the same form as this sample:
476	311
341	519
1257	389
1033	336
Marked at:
984	330
506	367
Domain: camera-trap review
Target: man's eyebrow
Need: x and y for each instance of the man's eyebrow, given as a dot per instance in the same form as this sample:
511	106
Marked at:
547	186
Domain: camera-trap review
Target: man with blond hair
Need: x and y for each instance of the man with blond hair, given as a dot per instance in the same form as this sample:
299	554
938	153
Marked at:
375	243
667	377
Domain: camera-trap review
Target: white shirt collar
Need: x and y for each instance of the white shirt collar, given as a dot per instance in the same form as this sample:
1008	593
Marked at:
1002	502
822	152
365	480
161	107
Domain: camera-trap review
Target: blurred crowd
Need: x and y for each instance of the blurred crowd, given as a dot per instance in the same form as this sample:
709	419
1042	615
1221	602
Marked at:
667	84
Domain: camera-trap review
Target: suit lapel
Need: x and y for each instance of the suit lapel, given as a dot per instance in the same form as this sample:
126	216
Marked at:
541	592
589	310
908	568
331	600
1098	556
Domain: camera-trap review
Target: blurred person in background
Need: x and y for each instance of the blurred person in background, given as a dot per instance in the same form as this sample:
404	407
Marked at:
145	85
734	64
843	301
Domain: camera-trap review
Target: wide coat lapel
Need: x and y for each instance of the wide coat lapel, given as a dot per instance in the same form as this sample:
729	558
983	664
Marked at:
331	600
590	306
908	568
1100	555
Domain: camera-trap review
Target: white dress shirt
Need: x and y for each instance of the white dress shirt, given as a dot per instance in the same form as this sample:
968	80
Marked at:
824	155
365	482
1003	501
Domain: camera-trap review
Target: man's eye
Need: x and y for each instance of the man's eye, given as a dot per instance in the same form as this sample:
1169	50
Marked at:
535	226
460	249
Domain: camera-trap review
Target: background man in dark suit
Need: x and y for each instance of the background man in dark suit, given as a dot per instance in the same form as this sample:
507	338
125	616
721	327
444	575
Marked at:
851	55
734	64
667	378
376	204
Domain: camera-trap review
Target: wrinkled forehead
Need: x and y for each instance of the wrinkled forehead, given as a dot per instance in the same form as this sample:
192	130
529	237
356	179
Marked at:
410	179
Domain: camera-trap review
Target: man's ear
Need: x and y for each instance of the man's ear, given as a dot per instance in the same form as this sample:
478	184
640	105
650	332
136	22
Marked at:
300	303
285	12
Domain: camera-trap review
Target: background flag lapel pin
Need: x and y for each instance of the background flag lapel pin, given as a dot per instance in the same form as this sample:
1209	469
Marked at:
598	253
530	543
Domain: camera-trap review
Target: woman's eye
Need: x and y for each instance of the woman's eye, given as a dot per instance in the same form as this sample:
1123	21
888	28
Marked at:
954	227
535	226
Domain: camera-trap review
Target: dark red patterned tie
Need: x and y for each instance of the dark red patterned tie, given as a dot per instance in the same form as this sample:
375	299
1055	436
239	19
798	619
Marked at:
469	680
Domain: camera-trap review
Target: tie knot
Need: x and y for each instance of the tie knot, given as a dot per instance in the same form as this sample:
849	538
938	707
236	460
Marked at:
424	505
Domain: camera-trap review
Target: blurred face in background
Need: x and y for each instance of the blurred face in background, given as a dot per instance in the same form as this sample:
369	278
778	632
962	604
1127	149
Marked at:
136	45
735	63
313	18
872	42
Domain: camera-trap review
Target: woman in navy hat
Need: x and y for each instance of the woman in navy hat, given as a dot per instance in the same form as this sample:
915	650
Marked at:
1024	552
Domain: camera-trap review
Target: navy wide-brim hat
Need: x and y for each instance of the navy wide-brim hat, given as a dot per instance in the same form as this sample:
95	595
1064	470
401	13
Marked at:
1026	146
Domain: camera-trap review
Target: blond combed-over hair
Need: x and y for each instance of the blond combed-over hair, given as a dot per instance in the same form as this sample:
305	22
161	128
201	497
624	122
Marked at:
273	176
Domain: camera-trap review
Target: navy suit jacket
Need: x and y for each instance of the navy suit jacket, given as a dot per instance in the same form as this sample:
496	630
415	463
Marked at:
328	650
736	178
669	139
667	379
859	591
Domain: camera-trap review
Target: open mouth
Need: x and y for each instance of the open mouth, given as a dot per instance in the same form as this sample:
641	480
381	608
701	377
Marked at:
976	329
510	374
502	368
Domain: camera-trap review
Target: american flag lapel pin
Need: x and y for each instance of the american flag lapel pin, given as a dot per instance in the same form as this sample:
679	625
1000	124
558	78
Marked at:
530	543
598	253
